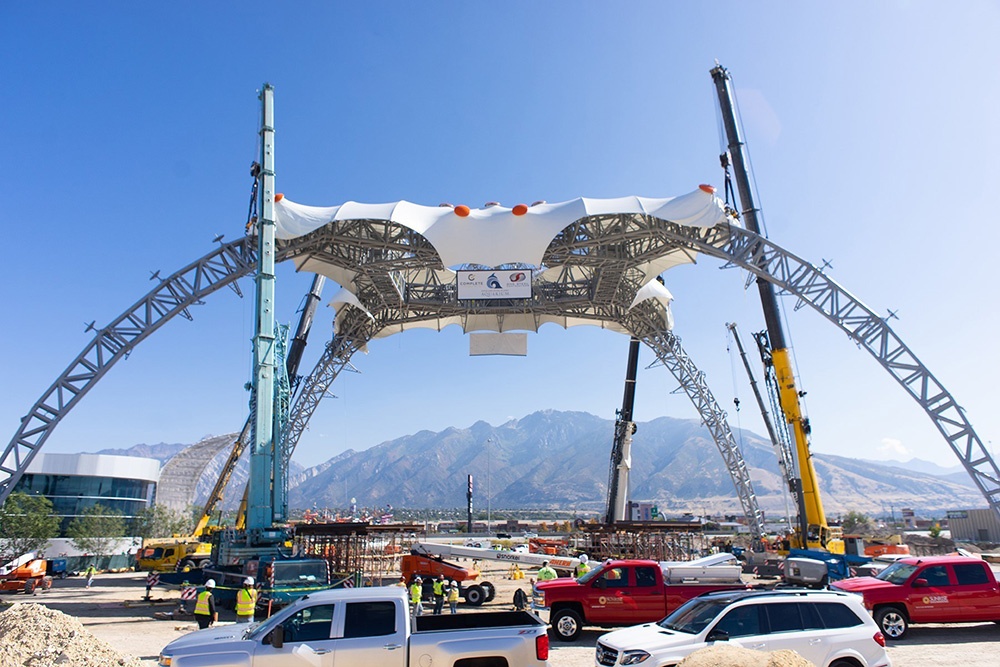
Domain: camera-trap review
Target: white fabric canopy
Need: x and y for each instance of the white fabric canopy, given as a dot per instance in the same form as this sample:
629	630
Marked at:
493	236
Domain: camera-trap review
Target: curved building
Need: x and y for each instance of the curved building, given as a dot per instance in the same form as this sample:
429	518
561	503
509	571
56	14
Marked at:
76	482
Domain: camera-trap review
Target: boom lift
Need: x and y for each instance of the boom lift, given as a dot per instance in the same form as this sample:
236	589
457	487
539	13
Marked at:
812	530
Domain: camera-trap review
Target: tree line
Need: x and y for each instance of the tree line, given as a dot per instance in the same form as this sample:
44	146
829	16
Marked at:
28	524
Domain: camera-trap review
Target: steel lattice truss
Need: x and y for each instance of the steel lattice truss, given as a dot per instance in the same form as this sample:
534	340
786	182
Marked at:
400	280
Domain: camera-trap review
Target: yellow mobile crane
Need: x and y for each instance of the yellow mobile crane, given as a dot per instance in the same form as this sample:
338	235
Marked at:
812	530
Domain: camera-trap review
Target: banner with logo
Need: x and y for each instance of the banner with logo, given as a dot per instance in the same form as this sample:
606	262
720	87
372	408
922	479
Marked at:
494	284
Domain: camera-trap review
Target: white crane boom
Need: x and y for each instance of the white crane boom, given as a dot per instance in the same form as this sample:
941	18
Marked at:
521	558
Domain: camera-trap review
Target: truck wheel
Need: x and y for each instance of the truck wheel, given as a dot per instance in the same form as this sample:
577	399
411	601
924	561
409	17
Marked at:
188	564
474	595
489	590
29	587
62	575
567	625
892	622
46	583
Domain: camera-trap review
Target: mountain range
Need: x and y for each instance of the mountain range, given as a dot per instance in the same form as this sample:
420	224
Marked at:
561	460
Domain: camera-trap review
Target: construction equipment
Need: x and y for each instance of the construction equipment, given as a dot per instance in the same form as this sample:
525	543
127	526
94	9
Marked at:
812	530
173	554
563	563
25	573
621	450
429	568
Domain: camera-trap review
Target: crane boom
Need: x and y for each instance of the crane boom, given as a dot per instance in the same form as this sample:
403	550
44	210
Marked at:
812	521
292	361
621	450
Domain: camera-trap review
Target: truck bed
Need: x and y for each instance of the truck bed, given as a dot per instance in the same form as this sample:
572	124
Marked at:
467	621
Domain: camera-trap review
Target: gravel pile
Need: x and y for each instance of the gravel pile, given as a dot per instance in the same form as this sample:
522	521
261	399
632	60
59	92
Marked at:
730	655
32	635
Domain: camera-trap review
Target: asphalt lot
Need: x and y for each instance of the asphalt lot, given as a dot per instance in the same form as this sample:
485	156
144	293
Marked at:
113	610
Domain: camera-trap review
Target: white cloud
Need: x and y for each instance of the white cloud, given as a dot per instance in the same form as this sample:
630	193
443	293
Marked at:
893	449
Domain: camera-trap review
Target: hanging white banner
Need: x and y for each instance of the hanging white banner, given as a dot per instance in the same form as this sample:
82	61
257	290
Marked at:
494	284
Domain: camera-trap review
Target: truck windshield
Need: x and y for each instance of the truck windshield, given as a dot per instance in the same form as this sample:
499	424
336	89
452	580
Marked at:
589	576
897	573
692	617
307	571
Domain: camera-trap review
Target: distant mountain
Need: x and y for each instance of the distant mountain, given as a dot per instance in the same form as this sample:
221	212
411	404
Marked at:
926	467
552	459
561	459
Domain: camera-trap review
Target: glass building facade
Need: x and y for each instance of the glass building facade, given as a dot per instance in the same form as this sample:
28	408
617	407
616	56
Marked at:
77	482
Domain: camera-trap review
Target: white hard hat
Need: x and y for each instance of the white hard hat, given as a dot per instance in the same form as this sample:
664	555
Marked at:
454	583
544	563
210	583
583	558
248	581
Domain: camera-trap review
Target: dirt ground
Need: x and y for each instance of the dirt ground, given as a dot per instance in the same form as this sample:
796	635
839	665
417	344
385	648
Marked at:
113	610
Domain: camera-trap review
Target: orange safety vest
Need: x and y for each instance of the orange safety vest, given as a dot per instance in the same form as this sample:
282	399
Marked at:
201	606
246	601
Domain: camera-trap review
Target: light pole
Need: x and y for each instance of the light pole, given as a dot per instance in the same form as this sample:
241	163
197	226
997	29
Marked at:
489	515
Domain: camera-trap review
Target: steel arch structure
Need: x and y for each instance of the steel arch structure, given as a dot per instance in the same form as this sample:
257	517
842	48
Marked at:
398	282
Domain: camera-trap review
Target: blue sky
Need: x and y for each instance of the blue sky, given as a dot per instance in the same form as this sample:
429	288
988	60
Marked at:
130	129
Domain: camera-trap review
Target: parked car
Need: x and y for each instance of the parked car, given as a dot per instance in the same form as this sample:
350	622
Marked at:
364	627
626	592
827	628
939	589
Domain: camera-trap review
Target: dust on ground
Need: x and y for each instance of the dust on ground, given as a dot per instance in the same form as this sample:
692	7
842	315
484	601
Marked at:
730	655
32	635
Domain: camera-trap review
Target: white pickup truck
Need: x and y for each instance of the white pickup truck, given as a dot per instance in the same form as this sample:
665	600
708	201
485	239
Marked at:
365	627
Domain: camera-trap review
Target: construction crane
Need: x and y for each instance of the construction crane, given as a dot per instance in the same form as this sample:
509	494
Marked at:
295	350
621	450
778	435
812	530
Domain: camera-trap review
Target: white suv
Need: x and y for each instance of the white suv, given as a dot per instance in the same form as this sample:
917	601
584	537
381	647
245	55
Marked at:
828	628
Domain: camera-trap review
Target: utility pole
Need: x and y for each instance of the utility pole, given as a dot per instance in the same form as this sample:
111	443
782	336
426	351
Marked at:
811	515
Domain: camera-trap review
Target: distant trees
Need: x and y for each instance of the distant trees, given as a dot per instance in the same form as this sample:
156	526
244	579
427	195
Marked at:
858	523
26	524
96	530
159	521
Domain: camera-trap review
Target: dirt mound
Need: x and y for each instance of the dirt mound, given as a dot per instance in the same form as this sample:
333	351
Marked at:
729	655
32	635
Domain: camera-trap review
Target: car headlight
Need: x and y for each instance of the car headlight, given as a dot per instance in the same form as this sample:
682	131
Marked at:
164	661
634	657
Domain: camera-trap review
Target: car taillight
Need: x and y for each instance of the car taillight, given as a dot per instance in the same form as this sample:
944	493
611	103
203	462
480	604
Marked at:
542	646
879	639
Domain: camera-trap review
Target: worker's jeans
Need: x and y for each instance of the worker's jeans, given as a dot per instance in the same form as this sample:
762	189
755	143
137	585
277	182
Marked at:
245	619
454	607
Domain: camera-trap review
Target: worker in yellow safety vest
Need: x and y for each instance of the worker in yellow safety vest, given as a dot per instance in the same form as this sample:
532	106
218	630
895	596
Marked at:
453	597
204	608
416	595
583	567
439	585
246	602
546	572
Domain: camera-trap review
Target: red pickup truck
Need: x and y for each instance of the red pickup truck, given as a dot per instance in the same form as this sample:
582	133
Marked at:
940	589
629	592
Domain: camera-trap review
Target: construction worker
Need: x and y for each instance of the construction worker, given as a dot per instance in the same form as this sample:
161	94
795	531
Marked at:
91	571
204	609
246	602
439	585
546	573
416	593
453	597
583	567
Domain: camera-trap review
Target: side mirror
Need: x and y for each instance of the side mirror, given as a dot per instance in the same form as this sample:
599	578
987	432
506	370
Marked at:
277	637
717	636
920	583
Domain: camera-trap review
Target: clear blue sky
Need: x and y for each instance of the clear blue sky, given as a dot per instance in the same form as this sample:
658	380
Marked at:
129	129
